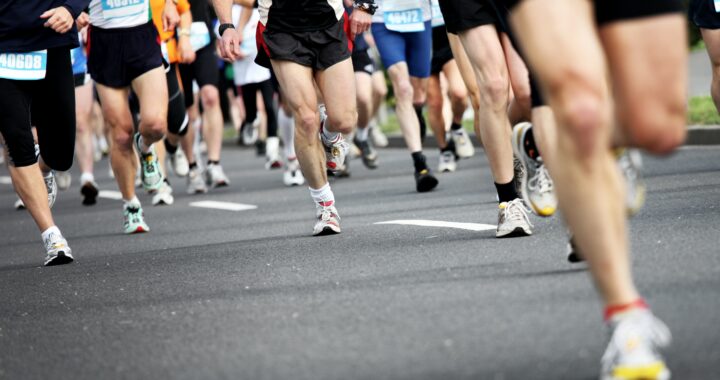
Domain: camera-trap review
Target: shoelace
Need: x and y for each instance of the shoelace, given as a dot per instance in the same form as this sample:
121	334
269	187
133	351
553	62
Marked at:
52	240
541	181
327	213
516	211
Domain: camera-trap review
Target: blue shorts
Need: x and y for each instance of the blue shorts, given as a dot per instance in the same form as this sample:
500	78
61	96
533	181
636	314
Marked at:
414	48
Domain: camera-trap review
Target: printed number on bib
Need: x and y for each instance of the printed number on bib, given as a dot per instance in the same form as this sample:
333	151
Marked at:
199	35
113	9
404	16
23	66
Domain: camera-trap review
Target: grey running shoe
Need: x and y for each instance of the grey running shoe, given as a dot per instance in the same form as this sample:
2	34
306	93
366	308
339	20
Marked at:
195	182
293	176
463	146
164	195
216	176
536	186
513	220
367	153
636	338
328	221
150	174
57	250
52	187
447	162
630	163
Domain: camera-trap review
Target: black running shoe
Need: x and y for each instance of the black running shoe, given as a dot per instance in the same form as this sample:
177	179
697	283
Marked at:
425	181
89	191
573	255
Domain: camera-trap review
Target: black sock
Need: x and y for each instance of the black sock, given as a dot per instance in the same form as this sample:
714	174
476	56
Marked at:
192	165
506	192
211	162
455	126
421	120
419	161
529	145
171	149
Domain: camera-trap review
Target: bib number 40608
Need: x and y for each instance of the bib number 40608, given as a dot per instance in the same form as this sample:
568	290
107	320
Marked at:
23	66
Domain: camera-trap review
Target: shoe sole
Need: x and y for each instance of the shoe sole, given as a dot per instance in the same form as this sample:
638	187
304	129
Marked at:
517	232
327	230
426	184
90	194
138	230
61	259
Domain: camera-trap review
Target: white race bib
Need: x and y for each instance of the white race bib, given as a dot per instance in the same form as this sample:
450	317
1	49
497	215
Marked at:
113	9
199	35
403	16
717	6
437	17
23	66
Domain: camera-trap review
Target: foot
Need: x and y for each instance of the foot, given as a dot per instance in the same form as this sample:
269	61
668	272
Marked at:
215	176
636	337
57	250
367	153
249	134
150	174
272	154
425	181
447	162
195	182
134	219
513	220
89	191
378	137
630	163
573	255
336	149
463	144
293	176
536	186
164	196
52	187
179	163
328	221
63	179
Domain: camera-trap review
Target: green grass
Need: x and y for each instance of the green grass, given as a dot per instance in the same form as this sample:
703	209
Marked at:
702	111
392	126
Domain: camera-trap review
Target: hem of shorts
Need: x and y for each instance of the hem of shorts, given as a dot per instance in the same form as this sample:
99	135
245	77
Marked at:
639	16
468	26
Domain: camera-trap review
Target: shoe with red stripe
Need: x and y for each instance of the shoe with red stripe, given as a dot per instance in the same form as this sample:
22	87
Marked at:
328	220
336	149
134	219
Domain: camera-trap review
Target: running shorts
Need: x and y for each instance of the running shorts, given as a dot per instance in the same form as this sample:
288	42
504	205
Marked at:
315	49
362	63
203	71
413	48
461	15
607	11
117	56
442	53
80	79
704	15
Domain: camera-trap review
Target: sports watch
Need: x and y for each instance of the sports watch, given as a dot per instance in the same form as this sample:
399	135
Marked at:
223	27
365	6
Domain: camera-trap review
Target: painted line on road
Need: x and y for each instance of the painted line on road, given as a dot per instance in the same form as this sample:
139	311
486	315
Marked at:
438	223
110	194
5	180
227	206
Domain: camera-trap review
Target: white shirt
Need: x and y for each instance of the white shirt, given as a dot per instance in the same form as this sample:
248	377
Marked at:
111	14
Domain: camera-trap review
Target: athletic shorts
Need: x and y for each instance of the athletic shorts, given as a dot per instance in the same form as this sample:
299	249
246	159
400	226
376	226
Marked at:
413	48
703	14
203	71
117	56
362	63
442	53
80	79
461	15
315	49
607	11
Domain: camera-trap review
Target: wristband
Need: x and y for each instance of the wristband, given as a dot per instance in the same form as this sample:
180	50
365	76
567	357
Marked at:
223	27
365	6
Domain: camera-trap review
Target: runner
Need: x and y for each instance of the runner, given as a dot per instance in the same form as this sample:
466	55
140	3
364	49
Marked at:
572	46
705	14
36	73
125	52
320	34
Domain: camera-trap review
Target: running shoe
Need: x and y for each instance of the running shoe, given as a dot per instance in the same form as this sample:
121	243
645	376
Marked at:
19	204
195	182
215	176
630	163
335	149
89	192
463	145
367	153
378	137
272	153
447	162
293	176
63	179
328	221
573	255
518	172
425	181
52	187
536	186
150	174
164	195
248	134
343	171
513	220
57	250
134	219
179	163
636	338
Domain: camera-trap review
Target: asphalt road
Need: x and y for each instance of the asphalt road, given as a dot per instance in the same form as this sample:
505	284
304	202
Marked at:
251	295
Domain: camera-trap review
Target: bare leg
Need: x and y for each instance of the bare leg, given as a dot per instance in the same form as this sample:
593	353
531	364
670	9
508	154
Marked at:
30	186
84	133
404	95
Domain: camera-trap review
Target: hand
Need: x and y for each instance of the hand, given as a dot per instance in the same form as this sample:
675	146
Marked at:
58	19
170	16
185	50
82	21
359	22
229	44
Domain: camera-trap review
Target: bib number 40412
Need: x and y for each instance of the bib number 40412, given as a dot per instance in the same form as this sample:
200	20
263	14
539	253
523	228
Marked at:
409	20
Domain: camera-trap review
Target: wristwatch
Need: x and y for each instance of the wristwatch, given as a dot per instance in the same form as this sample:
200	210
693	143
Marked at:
223	27
183	32
366	6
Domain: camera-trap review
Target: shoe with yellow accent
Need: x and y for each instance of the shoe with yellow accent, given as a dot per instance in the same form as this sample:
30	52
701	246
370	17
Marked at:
513	220
150	174
630	163
633	350
57	250
425	181
536	186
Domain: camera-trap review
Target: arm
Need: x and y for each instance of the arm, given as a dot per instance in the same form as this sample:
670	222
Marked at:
185	49
229	43
244	18
170	15
62	18
76	6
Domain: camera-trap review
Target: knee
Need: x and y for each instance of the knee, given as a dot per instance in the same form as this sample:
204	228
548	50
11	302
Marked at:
210	97
458	94
657	129
122	138
307	121
344	122
154	127
585	121
404	91
495	91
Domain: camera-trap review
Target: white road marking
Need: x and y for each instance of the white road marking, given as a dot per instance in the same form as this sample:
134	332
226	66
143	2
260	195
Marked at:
437	223
110	194
5	180
228	206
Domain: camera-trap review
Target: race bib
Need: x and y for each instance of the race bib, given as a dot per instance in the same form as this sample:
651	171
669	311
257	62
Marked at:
23	66
408	20
717	6
199	35
113	9
437	17
79	61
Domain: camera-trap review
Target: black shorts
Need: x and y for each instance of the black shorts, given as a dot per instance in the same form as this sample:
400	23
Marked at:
607	11
317	49
362	63
80	79
703	14
461	15
203	71
442	53
117	56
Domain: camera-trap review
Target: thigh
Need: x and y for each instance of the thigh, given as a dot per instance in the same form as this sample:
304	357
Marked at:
519	75
712	43
463	63
335	83
486	54
115	106
454	79
152	92
296	81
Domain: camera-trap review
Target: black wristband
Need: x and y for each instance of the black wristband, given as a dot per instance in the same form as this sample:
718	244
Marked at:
223	27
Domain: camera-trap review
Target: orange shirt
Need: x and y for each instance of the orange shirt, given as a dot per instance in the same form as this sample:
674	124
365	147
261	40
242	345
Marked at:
156	7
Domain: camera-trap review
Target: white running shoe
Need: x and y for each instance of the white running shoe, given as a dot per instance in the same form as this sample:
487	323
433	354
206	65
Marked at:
249	133
272	153
215	176
636	338
293	176
463	145
447	162
513	220
378	137
328	221
63	179
19	204
57	250
630	163
164	195
335	149
52	187
195	182
179	163
536	186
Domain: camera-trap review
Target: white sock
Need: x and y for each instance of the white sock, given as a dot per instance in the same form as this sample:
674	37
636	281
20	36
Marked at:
323	196
134	202
50	231
362	133
144	147
286	124
86	177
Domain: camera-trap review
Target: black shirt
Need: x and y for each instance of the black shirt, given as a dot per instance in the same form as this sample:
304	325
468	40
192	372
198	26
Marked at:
22	30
